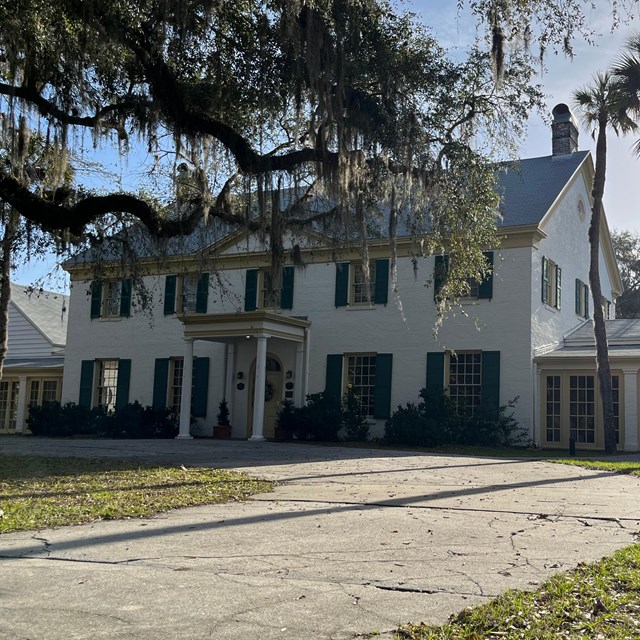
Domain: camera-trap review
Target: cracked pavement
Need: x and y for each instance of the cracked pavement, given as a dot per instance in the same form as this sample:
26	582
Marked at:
351	541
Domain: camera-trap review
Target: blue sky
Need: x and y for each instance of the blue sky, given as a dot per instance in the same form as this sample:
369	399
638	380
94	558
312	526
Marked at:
456	32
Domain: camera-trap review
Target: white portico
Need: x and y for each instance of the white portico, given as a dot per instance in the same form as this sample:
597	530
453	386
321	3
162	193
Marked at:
267	361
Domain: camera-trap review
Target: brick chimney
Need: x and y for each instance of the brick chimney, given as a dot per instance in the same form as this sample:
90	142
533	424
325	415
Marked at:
564	131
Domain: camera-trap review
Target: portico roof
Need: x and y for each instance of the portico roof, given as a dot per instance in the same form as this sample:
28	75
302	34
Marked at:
227	327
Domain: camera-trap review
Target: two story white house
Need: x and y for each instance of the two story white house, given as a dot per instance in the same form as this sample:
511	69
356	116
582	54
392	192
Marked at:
323	332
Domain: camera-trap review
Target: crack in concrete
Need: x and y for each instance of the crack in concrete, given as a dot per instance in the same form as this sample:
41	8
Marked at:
45	543
403	589
544	516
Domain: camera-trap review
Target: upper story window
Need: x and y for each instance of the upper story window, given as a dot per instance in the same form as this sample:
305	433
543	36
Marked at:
582	299
111	298
551	283
476	290
187	293
351	283
259	292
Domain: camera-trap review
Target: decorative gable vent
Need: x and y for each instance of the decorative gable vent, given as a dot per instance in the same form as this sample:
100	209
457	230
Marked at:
581	210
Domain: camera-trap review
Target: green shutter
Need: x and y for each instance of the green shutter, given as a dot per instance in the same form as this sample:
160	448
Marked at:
86	384
122	388
545	280
382	391
125	298
202	293
579	297
170	295
485	290
342	284
491	382
381	293
586	301
558	287
96	299
160	382
251	290
440	270
333	380
200	387
435	371
286	295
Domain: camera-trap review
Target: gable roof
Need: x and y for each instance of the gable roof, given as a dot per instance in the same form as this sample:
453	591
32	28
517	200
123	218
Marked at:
45	310
530	187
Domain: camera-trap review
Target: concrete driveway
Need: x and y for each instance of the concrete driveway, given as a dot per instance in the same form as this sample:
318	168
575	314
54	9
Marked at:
351	541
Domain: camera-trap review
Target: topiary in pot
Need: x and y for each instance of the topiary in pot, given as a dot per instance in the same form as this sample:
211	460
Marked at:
223	428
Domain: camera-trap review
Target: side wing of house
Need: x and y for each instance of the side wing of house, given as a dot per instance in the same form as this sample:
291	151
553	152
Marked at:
33	367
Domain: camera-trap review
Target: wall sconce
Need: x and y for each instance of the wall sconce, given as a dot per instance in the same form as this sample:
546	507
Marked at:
240	375
247	337
289	374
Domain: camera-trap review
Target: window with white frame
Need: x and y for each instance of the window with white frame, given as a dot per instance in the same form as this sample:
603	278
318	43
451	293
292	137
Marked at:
551	283
361	375
582	412
465	380
553	405
111	295
176	373
189	292
106	383
363	292
582	299
9	390
615	391
269	297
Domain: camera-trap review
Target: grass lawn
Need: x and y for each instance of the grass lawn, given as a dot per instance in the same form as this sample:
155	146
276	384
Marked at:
597	601
39	492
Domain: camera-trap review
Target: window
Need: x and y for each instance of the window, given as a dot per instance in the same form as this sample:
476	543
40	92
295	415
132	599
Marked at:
582	299
104	383
9	390
43	390
111	298
551	283
351	285
361	375
615	390
360	292
370	377
476	290
187	293
465	381
107	384
553	402
582	421
167	385
257	294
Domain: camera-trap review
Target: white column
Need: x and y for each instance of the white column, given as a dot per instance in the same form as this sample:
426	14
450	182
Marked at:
228	382
307	359
537	419
257	432
630	409
22	404
300	375
185	396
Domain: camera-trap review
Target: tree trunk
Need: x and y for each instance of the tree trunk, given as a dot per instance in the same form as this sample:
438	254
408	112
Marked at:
600	331
6	252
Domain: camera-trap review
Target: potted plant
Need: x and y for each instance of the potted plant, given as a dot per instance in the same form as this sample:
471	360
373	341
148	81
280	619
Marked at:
223	428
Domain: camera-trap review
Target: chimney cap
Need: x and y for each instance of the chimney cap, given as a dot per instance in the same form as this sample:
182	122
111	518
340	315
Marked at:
562	113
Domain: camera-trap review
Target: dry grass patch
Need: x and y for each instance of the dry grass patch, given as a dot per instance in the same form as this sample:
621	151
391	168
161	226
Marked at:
38	492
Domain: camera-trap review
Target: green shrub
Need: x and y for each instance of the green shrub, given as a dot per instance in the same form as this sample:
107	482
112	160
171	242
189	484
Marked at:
354	421
319	419
131	421
435	421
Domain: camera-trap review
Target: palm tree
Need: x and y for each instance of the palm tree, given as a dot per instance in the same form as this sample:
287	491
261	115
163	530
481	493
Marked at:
603	104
